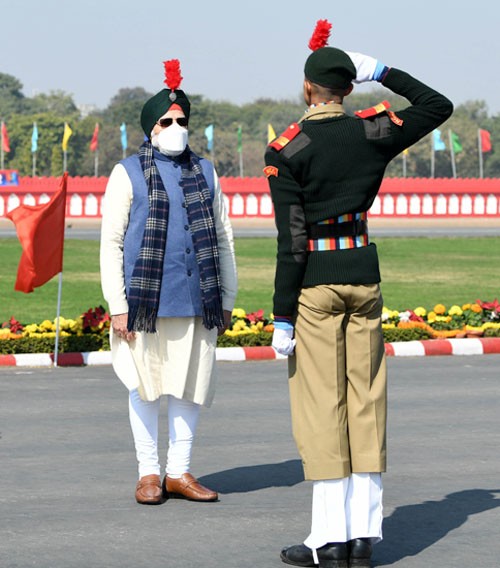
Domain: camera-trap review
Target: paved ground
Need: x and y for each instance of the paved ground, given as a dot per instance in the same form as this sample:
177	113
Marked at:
68	472
264	227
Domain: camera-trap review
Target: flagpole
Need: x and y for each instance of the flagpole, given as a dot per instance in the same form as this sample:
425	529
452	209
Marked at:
480	150
66	136
452	154
404	164
212	149
34	140
1	145
209	134
59	289
240	149
433	158
58	312
123	130
96	163
64	151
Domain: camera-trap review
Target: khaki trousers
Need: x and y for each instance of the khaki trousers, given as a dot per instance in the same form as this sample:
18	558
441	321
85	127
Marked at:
338	381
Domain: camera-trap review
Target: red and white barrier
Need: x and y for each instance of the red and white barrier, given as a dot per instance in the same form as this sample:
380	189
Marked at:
470	346
250	198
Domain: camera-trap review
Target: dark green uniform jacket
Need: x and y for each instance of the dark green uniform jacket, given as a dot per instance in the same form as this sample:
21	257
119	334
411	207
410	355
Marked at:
333	167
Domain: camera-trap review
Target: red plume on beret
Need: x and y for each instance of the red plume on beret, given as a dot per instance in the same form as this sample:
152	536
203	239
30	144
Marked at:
320	35
173	77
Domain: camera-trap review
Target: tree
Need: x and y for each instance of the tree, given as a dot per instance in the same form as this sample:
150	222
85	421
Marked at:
491	160
11	97
56	102
110	149
50	130
126	106
51	110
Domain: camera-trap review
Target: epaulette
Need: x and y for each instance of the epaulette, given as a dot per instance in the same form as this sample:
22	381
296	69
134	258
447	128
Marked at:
283	139
374	110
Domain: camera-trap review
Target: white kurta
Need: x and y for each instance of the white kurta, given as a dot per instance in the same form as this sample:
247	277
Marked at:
179	359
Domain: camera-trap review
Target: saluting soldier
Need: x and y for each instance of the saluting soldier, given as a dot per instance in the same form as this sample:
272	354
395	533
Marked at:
324	173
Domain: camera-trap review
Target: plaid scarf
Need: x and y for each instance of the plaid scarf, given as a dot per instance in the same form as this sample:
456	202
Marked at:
145	285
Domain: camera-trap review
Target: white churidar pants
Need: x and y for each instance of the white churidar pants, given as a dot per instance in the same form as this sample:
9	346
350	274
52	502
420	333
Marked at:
182	421
346	508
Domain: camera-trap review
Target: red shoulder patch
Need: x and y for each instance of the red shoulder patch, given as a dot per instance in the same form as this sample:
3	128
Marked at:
283	139
270	171
374	110
397	121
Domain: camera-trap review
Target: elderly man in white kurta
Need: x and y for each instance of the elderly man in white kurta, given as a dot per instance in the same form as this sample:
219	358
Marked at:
169	276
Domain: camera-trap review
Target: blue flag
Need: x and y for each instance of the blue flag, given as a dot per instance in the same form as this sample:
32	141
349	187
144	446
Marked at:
438	141
34	139
209	133
123	130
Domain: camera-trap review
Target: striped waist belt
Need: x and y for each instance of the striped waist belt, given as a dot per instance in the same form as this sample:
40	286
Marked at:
344	232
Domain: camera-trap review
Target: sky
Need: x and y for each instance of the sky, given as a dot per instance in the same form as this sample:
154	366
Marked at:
242	51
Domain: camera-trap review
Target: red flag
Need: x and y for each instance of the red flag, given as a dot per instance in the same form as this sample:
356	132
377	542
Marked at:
485	141
5	139
40	228
94	143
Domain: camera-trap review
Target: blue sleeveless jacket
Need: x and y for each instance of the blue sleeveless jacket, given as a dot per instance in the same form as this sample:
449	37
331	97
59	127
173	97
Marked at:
180	294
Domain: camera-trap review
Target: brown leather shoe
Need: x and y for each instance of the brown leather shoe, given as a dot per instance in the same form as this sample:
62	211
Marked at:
187	487
148	490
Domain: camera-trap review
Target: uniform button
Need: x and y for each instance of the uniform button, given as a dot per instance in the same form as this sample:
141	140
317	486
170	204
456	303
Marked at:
189	272
186	227
188	250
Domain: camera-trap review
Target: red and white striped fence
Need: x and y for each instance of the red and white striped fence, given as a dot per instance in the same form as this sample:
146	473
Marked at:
249	197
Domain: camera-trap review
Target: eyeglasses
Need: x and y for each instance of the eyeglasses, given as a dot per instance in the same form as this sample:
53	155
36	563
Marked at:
166	122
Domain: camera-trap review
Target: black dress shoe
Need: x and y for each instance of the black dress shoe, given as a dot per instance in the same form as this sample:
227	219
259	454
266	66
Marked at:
298	555
360	551
333	555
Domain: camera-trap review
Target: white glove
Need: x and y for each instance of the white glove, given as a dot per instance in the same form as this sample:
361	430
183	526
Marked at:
367	68
283	341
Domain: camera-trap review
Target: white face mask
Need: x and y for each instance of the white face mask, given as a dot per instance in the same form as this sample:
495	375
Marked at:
171	141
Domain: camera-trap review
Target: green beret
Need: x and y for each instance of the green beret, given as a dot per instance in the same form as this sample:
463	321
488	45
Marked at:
330	67
158	105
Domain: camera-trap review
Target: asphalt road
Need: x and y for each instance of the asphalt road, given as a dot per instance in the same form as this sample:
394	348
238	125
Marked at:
253	227
68	471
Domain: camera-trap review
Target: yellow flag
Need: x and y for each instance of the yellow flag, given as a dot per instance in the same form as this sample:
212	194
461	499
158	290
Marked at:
271	135
66	136
405	152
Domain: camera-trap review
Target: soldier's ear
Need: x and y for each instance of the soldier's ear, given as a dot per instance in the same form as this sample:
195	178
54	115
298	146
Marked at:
307	91
349	89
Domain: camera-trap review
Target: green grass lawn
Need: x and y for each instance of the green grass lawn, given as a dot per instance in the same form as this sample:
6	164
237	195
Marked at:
415	272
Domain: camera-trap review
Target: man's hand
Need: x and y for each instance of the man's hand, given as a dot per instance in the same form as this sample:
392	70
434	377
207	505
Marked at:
119	325
367	68
283	340
227	322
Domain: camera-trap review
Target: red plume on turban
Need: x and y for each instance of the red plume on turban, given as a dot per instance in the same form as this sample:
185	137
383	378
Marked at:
173	77
321	34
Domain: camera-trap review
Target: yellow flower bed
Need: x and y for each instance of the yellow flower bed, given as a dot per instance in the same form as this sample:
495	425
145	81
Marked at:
244	324
458	321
